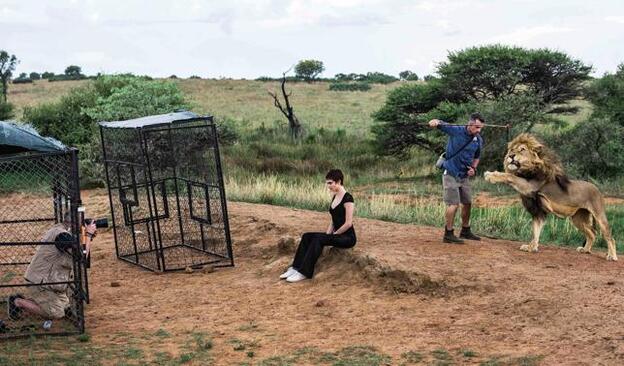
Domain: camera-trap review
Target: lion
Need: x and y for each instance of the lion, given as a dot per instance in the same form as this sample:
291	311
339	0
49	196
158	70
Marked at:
535	172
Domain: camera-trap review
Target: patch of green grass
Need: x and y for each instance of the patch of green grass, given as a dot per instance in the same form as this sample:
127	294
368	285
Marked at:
412	356
360	356
441	354
163	358
133	353
493	361
162	333
528	360
83	338
468	353
202	342
237	344
277	361
186	357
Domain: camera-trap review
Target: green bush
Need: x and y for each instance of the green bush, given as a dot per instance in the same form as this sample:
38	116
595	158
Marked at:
342	86
65	120
6	111
227	131
592	149
22	81
138	98
607	95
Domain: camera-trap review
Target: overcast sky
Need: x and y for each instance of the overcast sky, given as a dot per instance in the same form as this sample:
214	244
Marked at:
251	38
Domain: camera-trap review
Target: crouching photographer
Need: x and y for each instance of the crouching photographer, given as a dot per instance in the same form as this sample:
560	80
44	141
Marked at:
50	266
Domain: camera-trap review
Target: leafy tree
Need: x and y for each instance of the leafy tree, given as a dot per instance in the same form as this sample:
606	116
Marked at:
490	72
22	79
593	148
47	75
378	78
73	72
599	138
7	66
308	70
35	76
408	75
342	77
481	77
607	95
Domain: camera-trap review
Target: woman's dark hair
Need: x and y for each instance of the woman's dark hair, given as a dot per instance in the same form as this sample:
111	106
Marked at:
335	175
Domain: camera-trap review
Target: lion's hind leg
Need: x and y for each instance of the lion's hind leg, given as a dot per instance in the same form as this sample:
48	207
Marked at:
582	219
603	224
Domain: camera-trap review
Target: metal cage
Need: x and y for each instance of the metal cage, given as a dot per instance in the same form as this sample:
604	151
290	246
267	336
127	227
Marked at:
37	190
166	192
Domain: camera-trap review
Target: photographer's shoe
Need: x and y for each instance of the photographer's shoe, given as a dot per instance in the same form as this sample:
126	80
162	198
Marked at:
296	277
467	234
450	238
3	327
13	311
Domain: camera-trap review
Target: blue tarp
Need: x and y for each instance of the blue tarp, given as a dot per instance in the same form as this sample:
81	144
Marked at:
151	121
17	138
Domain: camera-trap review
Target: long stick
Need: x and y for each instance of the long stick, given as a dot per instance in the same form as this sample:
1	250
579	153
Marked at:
485	125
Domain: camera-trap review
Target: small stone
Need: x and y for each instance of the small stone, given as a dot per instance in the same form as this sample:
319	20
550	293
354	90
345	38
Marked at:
321	303
611	283
208	268
188	270
115	284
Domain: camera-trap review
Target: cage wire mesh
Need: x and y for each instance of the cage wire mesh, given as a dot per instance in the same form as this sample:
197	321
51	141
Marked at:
166	192
37	190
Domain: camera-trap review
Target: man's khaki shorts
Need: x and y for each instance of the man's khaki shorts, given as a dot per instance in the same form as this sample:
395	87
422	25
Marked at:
52	303
456	190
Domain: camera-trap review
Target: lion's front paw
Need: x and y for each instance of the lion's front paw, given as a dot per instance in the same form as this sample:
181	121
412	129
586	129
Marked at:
612	257
490	176
528	248
583	250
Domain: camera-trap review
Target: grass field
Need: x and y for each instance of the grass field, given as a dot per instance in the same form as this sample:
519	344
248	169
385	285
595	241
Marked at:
265	166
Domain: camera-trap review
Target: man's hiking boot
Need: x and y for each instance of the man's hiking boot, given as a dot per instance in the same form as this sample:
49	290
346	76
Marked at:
467	234
450	238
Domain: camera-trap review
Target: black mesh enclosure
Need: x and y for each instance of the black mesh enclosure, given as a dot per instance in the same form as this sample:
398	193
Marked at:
166	192
40	191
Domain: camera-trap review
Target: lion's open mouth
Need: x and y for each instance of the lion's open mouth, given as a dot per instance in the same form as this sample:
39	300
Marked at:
512	164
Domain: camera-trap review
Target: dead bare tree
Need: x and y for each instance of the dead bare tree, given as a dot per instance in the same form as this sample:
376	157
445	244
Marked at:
293	122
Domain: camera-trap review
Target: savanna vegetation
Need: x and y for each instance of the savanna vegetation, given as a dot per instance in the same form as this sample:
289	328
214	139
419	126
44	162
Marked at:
374	134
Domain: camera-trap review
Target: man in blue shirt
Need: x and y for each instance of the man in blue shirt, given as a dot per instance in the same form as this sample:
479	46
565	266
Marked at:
462	158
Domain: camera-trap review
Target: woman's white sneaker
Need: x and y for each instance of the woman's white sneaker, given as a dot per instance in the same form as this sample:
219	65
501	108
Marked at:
296	277
290	271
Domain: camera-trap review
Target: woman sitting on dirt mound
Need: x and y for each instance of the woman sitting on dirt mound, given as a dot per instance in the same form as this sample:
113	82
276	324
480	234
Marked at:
340	232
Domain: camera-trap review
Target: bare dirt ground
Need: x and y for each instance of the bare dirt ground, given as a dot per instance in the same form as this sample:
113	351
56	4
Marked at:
399	290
